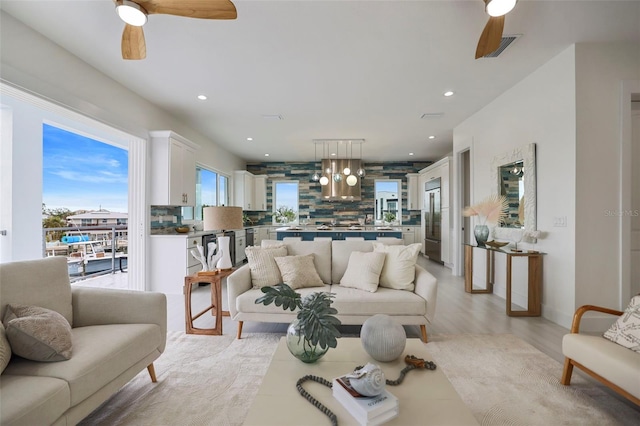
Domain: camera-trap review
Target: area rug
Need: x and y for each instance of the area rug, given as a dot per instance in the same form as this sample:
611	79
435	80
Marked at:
212	380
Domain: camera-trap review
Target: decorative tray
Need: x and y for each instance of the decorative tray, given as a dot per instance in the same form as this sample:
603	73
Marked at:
496	244
294	228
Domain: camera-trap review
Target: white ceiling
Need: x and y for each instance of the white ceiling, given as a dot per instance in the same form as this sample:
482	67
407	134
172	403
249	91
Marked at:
331	69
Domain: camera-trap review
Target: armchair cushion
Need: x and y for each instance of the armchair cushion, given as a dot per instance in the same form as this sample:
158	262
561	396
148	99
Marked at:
38	334
626	330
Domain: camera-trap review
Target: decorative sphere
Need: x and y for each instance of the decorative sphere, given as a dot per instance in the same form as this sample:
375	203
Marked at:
383	338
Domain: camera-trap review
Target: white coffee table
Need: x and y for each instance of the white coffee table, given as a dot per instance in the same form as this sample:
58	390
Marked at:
426	397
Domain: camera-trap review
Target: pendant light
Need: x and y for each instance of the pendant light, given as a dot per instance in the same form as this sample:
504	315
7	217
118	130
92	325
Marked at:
347	169
337	176
315	176
352	180
324	180
360	172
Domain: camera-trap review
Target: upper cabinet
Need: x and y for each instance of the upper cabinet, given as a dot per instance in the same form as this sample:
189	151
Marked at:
413	192
250	192
173	169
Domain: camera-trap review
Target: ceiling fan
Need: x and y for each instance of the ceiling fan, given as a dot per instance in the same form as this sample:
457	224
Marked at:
134	14
491	36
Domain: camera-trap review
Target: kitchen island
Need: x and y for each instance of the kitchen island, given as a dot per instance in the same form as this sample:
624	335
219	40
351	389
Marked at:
308	233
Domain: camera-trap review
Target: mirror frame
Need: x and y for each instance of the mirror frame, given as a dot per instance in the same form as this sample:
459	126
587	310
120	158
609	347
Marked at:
527	154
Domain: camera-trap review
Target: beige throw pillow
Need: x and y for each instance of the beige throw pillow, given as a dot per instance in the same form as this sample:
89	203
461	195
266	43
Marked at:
37	333
363	271
626	330
299	271
5	349
399	270
264	269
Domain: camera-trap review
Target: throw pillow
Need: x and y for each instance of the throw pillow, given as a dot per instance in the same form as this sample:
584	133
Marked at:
363	271
299	271
264	269
626	330
399	270
5	349
37	333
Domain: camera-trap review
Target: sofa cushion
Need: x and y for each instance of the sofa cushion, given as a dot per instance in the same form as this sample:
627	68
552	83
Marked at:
264	270
341	251
30	400
363	271
299	271
100	354
48	285
246	302
615	363
350	301
399	270
321	251
626	330
38	334
5	349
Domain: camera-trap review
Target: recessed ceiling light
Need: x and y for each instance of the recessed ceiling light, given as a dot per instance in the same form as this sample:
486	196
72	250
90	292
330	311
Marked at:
202	97
432	137
272	117
333	153
266	155
448	93
411	153
249	139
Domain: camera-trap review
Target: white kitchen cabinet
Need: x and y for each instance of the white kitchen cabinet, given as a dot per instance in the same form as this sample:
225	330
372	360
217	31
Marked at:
408	235
444	185
413	193
445	248
241	244
260	234
173	169
260	193
170	261
243	189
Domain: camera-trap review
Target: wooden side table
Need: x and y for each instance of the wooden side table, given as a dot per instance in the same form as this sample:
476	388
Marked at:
216	302
534	280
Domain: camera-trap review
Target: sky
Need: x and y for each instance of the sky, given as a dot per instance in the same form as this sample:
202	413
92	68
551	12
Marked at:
80	173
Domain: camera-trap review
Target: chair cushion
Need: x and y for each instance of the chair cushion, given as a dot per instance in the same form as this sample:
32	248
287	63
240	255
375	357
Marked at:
626	330
615	363
363	271
48	285
30	400
341	251
350	301
246	302
38	334
321	251
299	271
264	270
399	270
5	349
100	354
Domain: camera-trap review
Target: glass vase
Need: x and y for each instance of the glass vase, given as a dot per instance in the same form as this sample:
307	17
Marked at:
481	232
302	348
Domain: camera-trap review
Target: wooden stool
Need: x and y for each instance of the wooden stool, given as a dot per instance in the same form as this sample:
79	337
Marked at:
216	302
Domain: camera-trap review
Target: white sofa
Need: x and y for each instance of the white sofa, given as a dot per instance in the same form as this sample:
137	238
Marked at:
354	306
608	362
115	334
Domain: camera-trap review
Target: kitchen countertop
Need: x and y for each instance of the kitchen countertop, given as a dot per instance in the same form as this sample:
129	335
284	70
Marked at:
338	229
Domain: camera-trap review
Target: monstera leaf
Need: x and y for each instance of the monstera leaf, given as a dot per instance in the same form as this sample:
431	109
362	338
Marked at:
316	320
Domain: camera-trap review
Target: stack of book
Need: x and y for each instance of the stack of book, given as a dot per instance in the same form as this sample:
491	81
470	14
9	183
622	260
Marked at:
367	410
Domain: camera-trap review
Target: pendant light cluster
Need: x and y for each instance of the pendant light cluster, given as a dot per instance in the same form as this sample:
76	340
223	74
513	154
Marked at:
336	168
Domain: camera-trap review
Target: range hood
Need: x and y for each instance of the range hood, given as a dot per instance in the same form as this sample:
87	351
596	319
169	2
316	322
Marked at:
341	190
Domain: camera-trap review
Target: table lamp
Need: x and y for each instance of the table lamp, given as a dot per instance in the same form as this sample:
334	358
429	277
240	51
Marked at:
220	219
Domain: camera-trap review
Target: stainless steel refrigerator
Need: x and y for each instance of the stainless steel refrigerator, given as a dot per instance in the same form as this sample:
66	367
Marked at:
432	220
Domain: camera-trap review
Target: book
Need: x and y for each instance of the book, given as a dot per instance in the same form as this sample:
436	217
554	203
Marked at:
372	410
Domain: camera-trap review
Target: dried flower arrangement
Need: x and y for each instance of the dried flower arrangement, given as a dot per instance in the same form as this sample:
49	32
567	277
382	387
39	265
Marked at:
491	211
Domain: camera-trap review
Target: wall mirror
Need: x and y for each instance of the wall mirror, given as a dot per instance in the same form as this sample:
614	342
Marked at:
514	176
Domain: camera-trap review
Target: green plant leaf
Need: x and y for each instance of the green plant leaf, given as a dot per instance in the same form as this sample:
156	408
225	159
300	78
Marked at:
280	295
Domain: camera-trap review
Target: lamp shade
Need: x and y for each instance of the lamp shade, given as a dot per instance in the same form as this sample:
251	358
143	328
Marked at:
221	218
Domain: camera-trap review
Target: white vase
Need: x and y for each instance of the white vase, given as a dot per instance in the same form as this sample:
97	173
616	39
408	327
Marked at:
383	338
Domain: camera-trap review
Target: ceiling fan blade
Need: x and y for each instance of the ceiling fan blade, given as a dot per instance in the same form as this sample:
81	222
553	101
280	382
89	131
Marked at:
204	9
491	36
133	45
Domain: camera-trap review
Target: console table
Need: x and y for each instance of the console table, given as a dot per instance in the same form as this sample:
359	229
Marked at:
534	282
216	302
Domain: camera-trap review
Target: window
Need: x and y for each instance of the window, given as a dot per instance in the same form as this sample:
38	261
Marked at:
211	190
388	200
285	202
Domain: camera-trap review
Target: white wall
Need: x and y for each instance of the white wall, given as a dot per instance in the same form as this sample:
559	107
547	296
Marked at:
600	70
33	63
571	108
539	109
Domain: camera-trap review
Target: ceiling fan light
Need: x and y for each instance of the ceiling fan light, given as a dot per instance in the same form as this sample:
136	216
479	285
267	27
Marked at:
131	13
500	7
